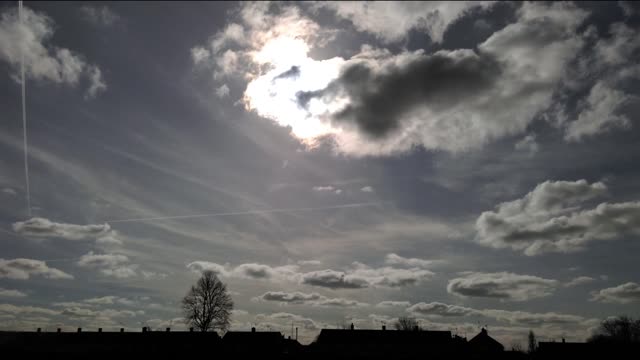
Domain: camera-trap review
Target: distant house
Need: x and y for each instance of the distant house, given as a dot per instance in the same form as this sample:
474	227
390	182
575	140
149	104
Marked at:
383	343
483	343
259	342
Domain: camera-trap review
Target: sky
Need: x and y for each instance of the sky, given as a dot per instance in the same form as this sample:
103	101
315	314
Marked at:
468	164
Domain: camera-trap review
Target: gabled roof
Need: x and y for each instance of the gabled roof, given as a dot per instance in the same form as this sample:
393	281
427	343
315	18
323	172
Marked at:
251	337
486	342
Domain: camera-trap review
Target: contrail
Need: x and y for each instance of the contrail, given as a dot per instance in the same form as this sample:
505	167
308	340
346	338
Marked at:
251	212
24	117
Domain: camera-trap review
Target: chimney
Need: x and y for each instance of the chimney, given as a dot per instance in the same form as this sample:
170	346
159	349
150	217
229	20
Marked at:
39	330
253	329
99	329
79	330
190	329
563	340
59	330
121	329
384	327
144	329
168	329
296	333
352	327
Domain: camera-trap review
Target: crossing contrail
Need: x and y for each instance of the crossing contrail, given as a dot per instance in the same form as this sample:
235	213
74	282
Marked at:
24	117
251	212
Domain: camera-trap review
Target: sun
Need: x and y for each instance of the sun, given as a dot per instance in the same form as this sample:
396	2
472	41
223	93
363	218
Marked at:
273	92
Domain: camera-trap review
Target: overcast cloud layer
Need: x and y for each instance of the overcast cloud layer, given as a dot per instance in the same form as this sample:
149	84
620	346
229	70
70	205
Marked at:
333	163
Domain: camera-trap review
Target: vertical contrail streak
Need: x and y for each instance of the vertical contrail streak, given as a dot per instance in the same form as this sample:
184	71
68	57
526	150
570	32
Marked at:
24	116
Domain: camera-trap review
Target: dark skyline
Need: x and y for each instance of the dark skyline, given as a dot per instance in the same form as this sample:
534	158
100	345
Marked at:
467	164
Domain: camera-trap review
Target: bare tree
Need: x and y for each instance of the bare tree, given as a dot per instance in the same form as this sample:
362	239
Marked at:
533	343
618	329
207	305
406	323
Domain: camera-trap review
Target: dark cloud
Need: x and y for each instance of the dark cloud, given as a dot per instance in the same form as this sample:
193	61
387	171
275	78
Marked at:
379	100
439	309
333	279
503	285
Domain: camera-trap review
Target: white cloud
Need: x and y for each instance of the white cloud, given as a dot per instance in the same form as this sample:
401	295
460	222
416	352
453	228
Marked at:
9	191
42	60
580	280
528	144
390	304
199	54
622	294
11	293
113	265
99	15
392	21
312	299
395	259
502	285
23	269
599	113
357	276
439	309
19	310
45	228
551	218
222	91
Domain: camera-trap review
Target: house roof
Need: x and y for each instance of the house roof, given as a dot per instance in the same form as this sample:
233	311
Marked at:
339	336
483	340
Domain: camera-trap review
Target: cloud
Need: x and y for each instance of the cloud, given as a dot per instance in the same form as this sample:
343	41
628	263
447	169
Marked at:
622	294
109	300
9	191
598	113
113	265
395	259
521	318
502	285
11	293
528	144
580	280
333	280
328	188
42	60
249	271
45	228
284	319
222	91
393	21
551	218
312	299
23	269
356	276
367	189
19	310
310	262
390	303
99	15
199	54
378	103
439	309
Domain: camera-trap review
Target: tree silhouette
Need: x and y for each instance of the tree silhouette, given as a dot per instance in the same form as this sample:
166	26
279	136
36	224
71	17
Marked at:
207	305
533	343
622	329
406	323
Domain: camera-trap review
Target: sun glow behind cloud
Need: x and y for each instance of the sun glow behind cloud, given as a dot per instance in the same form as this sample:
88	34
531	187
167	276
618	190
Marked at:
274	96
